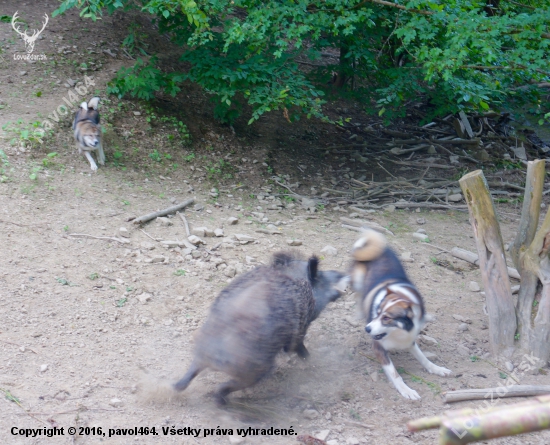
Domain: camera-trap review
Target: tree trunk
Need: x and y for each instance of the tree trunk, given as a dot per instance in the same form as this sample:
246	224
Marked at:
494	272
341	77
530	255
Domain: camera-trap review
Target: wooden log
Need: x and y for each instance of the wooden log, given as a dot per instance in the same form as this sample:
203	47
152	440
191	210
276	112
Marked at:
501	392
494	273
472	258
465	255
150	216
509	421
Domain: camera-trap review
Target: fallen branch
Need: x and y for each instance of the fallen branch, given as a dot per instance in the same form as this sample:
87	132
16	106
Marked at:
19	346
361	225
284	186
154	239
403	205
473	258
421	164
184	219
359	424
362	229
107	238
150	216
269	232
501	392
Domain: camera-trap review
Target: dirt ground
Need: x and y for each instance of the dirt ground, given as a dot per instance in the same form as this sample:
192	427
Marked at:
93	331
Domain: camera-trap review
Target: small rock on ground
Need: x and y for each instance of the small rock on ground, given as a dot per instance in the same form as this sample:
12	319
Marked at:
329	251
163	221
310	414
463	327
474	287
294	242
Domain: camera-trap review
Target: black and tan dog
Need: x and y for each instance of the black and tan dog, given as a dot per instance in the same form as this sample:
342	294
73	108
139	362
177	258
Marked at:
392	306
87	132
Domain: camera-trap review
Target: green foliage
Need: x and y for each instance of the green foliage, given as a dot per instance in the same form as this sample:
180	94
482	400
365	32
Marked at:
4	167
456	54
26	135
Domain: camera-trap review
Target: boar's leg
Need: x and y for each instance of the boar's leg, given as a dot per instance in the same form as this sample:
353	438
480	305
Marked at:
190	375
228	387
301	350
234	385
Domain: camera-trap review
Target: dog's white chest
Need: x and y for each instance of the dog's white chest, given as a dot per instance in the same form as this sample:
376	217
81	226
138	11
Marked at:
399	339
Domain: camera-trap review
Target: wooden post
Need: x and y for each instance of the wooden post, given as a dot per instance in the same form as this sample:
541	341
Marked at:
494	271
531	209
530	255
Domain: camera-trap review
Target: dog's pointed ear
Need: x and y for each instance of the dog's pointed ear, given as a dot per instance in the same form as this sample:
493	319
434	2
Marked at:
93	103
84	106
312	268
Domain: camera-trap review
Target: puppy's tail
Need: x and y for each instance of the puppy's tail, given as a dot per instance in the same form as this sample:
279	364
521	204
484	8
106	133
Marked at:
370	246
93	103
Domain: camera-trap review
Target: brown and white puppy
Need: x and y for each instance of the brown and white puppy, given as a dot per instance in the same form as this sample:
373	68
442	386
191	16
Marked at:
392	306
87	132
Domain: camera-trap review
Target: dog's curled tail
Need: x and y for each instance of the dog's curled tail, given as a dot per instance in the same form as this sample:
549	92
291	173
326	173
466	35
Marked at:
370	246
93	103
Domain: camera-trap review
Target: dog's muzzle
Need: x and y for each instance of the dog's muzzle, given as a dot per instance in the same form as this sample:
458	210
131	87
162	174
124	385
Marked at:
375	337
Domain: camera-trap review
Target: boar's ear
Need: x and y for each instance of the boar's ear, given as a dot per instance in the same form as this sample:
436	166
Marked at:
312	265
281	259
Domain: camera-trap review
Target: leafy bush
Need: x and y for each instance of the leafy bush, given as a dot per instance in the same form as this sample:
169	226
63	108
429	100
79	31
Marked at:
455	54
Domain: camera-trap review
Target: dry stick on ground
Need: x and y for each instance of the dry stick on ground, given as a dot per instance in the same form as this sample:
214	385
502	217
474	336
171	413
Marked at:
184	219
13	399
500	392
154	239
364	225
150	216
530	255
284	186
403	205
421	164
107	238
494	273
362	229
19	346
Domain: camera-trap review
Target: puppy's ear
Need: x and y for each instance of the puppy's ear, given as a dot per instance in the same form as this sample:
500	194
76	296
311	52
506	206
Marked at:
369	247
93	103
84	106
312	268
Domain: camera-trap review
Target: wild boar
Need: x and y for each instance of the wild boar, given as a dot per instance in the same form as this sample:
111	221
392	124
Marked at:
261	312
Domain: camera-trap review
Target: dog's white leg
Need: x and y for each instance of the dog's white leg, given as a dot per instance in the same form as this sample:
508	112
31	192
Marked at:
430	367
392	374
93	165
100	154
400	385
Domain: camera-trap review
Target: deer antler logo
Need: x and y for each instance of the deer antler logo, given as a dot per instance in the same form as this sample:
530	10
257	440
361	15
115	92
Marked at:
29	40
